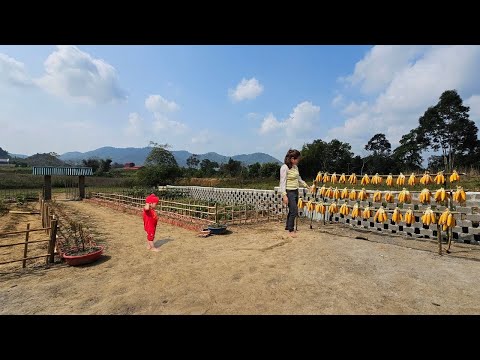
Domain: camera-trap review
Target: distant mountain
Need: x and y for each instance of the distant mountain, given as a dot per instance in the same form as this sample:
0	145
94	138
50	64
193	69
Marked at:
43	160
20	156
138	156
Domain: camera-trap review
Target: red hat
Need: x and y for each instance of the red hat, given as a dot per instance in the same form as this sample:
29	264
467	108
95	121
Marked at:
152	198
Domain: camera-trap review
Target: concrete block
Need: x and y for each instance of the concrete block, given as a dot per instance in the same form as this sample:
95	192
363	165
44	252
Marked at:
393	227
473	217
427	232
463	223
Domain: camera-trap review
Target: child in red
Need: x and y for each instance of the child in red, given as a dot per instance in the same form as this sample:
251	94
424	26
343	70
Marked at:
150	220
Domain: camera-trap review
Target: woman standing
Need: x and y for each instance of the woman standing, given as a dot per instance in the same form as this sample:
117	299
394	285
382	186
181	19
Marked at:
289	183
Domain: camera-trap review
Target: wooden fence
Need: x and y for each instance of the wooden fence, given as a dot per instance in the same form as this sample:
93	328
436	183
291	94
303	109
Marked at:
209	213
49	257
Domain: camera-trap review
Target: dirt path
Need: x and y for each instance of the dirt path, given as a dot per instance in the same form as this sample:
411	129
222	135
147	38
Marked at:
253	270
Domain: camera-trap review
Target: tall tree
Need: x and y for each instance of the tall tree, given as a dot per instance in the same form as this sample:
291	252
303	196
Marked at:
160	168
379	145
193	161
208	167
407	156
446	127
335	156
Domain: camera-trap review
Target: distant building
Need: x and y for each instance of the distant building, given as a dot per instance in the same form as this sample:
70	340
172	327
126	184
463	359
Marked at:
4	161
131	166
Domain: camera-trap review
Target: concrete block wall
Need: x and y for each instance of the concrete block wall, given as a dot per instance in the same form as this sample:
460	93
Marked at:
466	230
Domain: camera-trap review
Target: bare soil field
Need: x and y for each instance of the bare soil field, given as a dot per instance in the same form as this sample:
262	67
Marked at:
253	269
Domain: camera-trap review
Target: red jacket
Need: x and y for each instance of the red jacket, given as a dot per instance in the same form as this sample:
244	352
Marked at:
150	220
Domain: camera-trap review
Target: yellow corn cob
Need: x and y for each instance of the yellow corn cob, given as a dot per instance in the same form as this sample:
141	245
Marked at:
300	203
425	196
329	192
344	209
365	180
313	188
355	211
389	197
377	196
353	195
446	219
401	180
344	194
409	218
309	205
333	179
376	179
459	195
404	196
440	195
411	180
366	213
397	215
428	216
454	177
426	179
333	208
352	179
320	208
439	178
380	215
319	177
326	178
323	189
342	179
362	195
389	180
336	193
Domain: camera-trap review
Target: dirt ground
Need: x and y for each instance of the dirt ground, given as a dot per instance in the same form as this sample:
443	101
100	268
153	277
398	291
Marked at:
254	269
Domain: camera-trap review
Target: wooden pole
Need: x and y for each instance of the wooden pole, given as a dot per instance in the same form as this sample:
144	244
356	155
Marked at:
53	238
48	187
81	186
439	238
25	250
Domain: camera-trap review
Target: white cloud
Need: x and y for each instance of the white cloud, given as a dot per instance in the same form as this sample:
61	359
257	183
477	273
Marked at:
135	125
163	124
338	100
354	108
246	89
203	137
303	118
474	103
12	72
380	65
74	74
158	104
408	94
270	123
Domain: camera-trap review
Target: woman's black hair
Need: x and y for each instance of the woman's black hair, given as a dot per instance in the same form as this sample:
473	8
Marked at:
291	154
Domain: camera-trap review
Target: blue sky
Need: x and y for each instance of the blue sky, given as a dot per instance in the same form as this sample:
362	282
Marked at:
228	99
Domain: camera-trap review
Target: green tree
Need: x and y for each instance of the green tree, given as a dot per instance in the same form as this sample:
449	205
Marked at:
160	168
335	156
407	156
193	161
379	145
93	163
208	168
446	127
232	168
4	154
254	170
270	170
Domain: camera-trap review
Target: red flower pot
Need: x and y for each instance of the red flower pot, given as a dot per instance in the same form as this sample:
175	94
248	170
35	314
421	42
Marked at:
75	260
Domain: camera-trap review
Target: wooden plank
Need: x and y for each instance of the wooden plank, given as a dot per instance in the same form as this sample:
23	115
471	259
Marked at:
26	246
29	258
53	238
23	231
24	212
23	243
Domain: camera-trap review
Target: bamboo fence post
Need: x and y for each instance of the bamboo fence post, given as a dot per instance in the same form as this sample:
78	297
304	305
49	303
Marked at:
245	213
53	238
439	238
25	250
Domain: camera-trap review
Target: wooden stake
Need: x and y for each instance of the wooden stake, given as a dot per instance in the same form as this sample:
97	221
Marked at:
25	250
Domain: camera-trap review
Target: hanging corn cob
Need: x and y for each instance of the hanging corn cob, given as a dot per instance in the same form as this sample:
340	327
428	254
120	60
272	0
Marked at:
428	217
397	215
389	180
425	196
401	180
380	215
377	196
459	195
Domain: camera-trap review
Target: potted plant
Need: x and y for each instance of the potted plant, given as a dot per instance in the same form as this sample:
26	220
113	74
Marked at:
78	247
217	228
